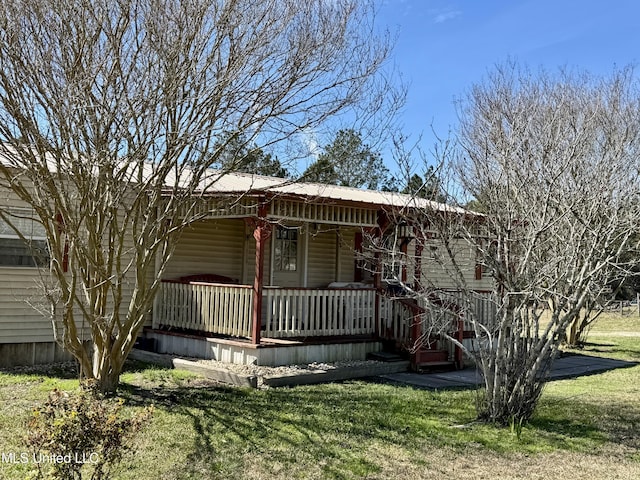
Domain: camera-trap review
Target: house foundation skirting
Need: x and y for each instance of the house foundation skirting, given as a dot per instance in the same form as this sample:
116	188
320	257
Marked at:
36	353
272	355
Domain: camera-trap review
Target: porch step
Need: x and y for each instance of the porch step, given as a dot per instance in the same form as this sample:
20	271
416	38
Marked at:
384	357
424	355
432	359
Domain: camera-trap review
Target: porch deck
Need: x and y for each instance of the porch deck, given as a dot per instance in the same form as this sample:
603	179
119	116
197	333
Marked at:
296	325
269	352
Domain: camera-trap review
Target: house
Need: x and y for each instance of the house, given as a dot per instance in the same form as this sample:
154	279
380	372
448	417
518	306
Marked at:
282	274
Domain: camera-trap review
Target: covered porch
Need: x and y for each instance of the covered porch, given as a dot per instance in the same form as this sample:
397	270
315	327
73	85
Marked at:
279	274
282	281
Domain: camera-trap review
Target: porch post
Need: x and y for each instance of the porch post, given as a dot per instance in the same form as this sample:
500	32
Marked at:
383	222
261	233
155	312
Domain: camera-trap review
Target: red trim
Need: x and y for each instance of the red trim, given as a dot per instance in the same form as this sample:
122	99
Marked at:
261	233
458	351
478	272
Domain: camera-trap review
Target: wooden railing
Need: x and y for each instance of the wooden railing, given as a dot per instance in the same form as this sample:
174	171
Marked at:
302	312
481	303
206	307
435	312
395	320
307	312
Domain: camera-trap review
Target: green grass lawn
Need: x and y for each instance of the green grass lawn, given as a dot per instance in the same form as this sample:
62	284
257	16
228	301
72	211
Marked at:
586	427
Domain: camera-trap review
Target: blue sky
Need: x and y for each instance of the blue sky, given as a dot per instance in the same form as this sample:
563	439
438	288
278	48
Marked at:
445	46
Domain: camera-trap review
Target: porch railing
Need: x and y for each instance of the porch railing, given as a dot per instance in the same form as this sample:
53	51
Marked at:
308	312
206	307
481	303
286	312
295	312
440	308
395	320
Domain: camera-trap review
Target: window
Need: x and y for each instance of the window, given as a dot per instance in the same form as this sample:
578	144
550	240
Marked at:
16	252
286	250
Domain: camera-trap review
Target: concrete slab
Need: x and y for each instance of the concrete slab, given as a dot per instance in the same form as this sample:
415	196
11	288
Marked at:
218	374
301	377
568	366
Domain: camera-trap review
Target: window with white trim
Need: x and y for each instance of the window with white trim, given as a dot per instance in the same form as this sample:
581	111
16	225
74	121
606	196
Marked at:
286	249
32	251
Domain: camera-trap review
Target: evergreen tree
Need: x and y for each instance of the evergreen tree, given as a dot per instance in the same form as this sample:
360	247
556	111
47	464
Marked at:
348	162
239	155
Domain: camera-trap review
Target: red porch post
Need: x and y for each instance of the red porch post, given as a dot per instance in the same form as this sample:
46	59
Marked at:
378	233
459	356
261	233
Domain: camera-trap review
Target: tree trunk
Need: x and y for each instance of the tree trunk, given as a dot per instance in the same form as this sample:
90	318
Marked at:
105	375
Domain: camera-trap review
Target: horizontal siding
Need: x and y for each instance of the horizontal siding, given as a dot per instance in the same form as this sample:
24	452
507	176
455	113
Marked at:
210	246
19	321
321	266
9	199
435	270
347	254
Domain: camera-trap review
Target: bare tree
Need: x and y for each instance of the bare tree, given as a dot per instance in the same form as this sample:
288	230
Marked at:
554	162
111	113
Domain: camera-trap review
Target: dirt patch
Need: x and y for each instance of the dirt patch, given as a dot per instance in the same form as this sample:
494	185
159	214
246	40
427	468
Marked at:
263	371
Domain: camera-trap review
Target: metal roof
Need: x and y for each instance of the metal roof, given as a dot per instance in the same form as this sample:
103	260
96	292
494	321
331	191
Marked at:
235	183
218	182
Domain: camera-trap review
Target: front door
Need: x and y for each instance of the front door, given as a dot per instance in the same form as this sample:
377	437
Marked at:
286	257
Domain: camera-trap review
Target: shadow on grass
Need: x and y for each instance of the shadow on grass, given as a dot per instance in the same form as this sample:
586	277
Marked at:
575	420
332	427
54	371
627	348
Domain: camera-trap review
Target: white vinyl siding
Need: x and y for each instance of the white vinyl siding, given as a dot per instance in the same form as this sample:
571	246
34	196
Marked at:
19	321
321	267
435	266
210	246
346	255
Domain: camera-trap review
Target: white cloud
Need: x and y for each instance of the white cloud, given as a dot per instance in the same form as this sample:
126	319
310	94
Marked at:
446	16
310	140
